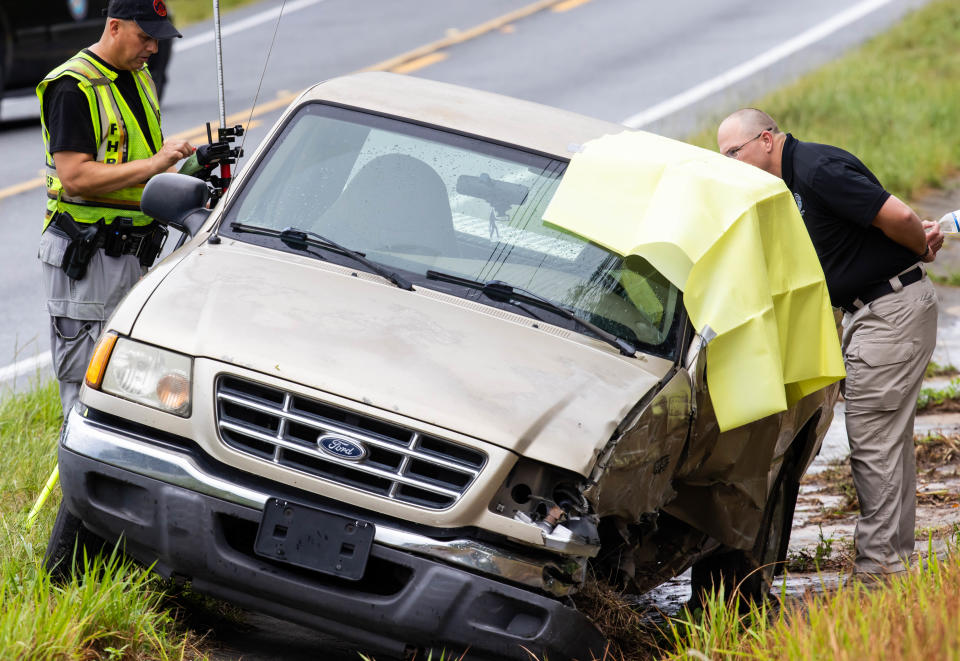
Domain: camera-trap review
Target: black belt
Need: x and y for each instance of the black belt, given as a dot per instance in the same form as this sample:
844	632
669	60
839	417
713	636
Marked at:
115	239
125	240
874	292
121	237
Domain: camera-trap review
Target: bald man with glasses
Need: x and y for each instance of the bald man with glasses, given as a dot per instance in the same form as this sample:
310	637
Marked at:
872	248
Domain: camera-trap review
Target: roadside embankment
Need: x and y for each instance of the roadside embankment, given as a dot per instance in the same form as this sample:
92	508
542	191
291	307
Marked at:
894	102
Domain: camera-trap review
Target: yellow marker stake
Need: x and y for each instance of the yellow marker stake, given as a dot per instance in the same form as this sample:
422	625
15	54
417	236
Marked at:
42	498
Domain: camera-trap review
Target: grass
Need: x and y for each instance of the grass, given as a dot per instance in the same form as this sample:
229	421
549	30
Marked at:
913	616
947	397
951	279
820	559
627	629
935	369
185	12
116	611
894	102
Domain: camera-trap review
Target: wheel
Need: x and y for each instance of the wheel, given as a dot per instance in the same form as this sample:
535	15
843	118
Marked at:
750	573
69	542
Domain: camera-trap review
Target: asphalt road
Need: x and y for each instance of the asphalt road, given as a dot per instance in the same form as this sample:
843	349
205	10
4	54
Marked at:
666	67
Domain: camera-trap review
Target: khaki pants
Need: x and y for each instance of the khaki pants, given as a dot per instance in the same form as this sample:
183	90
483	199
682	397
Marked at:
78	308
886	347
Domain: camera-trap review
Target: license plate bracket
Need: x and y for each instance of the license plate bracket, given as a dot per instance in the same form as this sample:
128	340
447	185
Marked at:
311	538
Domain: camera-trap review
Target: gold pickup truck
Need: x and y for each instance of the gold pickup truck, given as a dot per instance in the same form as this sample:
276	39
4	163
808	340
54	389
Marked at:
376	394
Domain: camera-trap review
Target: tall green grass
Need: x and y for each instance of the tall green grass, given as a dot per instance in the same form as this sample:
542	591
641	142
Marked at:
914	616
115	612
894	102
931	397
28	435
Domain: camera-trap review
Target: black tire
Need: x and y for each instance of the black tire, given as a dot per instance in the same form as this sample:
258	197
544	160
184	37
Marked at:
750	573
69	542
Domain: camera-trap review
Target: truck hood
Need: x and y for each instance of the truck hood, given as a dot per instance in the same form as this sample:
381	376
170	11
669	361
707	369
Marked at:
546	393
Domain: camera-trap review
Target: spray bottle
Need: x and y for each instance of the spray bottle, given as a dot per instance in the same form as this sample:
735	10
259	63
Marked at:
950	223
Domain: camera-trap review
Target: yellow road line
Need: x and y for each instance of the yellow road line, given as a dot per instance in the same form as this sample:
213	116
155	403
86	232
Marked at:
567	5
420	62
466	35
16	189
386	65
239	117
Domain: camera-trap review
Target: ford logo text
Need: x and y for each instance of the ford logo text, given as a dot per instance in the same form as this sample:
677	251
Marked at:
342	448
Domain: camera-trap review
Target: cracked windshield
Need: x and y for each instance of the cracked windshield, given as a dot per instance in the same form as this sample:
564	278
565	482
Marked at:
426	202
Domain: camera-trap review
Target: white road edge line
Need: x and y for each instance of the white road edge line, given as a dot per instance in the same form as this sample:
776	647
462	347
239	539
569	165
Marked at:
752	66
643	118
43	360
26	366
241	25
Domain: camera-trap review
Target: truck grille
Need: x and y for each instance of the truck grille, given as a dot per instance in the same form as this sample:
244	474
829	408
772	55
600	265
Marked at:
399	463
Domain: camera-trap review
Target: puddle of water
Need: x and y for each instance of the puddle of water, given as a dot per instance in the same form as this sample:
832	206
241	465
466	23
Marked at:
947	351
667	599
835	446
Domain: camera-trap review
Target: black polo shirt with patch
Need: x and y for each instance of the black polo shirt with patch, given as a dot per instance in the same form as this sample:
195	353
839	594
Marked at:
838	199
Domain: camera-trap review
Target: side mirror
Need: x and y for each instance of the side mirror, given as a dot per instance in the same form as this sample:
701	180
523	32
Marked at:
176	200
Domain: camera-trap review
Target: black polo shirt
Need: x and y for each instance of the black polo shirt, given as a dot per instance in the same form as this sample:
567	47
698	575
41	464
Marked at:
66	112
838	199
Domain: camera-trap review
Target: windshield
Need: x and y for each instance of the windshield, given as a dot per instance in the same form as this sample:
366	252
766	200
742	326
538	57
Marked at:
417	199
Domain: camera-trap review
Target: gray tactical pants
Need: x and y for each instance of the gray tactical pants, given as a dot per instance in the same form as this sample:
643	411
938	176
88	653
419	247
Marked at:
78	308
886	347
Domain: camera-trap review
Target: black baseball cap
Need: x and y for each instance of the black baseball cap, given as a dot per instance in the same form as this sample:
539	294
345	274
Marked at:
150	15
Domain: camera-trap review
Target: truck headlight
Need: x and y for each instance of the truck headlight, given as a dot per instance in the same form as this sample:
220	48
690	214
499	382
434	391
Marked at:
144	374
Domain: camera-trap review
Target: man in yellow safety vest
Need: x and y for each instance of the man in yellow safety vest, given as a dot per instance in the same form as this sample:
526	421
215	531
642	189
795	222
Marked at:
103	141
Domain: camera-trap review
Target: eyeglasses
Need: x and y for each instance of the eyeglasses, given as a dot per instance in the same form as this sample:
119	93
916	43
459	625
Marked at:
732	153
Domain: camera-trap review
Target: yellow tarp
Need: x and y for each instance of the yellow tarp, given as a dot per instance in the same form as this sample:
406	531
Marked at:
731	238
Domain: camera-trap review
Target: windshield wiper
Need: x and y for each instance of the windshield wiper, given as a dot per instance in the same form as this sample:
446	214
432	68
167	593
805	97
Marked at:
299	239
507	293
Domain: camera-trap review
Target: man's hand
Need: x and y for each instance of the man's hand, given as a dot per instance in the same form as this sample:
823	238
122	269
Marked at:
83	176
934	238
170	153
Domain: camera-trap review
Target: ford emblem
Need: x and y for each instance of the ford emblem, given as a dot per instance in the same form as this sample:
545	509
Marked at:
342	448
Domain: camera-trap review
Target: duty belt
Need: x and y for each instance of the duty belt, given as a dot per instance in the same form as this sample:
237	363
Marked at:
118	238
874	292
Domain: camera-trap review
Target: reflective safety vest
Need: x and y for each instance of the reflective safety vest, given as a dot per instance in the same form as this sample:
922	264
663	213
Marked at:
119	139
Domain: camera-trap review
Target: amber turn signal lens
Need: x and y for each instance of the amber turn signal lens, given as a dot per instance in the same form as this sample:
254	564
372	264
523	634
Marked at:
98	363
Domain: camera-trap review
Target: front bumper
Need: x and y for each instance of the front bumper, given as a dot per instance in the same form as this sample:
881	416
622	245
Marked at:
197	526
